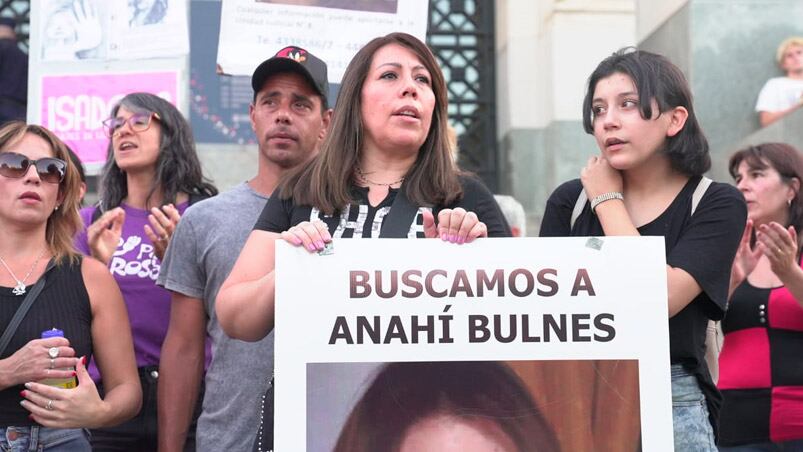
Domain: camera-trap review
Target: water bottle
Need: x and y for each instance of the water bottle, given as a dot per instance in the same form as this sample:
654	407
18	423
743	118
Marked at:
66	383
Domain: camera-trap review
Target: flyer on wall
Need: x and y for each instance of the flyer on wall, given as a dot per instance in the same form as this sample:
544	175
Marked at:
78	30
561	343
333	30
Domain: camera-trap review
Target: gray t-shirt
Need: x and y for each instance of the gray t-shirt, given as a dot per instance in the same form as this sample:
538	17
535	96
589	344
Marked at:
201	254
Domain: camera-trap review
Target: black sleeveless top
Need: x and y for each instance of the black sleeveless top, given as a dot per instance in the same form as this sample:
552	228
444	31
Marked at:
62	304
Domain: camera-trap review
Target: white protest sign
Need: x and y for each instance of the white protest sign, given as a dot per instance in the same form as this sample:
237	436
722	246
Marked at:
540	306
333	30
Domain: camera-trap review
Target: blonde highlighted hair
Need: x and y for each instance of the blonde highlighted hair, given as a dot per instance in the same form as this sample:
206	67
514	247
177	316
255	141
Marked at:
65	222
788	42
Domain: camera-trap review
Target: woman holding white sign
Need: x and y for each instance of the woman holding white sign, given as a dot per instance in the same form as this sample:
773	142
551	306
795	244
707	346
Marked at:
387	153
385	169
648	181
761	374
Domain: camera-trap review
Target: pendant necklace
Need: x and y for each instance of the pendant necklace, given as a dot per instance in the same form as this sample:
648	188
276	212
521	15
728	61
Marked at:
363	177
19	289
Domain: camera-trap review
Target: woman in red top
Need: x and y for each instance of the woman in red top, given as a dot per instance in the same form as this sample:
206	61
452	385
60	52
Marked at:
761	374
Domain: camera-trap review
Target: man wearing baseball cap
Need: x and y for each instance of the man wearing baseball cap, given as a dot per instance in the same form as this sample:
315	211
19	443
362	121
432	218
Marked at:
290	117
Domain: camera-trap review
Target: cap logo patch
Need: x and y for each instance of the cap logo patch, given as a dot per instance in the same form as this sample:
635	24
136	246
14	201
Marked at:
293	53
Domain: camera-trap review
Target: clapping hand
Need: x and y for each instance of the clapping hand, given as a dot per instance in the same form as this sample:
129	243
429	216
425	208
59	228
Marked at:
104	234
779	244
163	223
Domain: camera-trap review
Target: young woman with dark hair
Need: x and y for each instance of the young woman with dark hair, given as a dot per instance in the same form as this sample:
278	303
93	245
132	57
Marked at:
652	156
387	138
39	196
151	176
446	406
761	375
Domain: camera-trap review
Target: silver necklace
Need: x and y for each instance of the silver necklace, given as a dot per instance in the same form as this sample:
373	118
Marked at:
19	289
363	177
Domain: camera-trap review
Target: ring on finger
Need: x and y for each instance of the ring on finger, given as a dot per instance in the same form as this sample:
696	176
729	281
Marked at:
52	363
49	405
53	352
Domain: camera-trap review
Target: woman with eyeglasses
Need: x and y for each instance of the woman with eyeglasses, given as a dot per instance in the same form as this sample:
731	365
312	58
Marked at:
47	282
152	174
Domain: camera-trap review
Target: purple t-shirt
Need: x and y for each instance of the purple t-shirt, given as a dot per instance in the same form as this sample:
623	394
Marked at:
135	268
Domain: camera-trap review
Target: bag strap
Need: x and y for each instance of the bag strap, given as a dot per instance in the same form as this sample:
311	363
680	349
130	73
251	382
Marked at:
22	311
578	207
702	186
96	214
402	213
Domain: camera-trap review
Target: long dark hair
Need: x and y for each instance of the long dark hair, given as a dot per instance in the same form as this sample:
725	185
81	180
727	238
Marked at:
178	169
656	78
325	183
405	393
785	159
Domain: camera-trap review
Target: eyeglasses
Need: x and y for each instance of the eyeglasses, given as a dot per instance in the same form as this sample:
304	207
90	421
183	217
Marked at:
15	166
139	122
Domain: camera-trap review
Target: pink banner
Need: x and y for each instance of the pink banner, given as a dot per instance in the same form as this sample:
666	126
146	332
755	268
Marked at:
74	106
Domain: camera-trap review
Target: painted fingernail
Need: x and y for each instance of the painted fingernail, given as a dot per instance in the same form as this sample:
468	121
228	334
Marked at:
445	237
74	373
296	241
311	247
319	244
22	394
28	385
83	360
461	240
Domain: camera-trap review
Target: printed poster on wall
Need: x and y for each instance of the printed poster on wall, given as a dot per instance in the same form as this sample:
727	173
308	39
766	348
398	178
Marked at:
334	30
74	106
555	342
76	30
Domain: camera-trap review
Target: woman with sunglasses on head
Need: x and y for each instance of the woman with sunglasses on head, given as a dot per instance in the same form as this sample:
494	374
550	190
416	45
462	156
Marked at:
152	174
47	282
761	373
648	181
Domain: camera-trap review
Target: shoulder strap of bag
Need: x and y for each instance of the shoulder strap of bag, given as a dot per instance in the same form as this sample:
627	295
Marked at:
96	214
196	197
702	186
402	213
22	311
582	198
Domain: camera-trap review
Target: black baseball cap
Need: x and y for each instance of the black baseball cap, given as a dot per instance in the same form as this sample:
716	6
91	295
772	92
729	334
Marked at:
293	59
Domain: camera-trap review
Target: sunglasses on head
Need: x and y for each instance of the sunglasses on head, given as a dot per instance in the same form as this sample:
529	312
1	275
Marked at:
15	166
139	122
